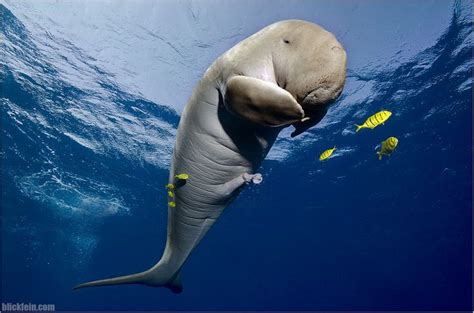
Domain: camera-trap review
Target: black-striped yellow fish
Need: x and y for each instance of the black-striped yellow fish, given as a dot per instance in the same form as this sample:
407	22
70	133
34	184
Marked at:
375	120
326	154
387	147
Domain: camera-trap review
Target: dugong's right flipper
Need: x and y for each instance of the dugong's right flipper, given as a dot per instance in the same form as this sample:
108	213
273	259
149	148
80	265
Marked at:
234	184
261	102
253	178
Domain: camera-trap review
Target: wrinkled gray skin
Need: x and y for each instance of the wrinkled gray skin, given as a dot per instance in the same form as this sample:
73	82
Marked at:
286	74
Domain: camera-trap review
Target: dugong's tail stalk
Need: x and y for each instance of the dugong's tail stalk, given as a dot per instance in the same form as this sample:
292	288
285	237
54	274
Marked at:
157	276
166	273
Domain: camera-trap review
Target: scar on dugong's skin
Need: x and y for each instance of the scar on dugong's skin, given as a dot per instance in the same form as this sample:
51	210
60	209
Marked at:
286	74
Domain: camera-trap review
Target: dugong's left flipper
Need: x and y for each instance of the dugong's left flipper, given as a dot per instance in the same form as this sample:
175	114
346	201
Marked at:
261	102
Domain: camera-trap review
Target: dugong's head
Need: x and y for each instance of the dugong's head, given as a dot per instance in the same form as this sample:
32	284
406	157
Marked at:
310	64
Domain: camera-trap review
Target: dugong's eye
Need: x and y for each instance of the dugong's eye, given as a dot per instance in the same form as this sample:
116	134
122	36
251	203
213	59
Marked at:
286	41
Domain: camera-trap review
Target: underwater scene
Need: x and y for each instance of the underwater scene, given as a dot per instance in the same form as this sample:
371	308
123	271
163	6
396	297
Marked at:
370	209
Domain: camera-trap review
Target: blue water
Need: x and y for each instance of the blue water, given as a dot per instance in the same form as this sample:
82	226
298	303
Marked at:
349	233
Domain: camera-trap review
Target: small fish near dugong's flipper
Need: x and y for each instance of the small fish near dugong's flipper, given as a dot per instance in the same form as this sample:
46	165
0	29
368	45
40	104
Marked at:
286	74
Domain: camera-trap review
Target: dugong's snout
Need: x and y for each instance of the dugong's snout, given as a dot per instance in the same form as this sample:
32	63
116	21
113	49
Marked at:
320	98
315	106
326	74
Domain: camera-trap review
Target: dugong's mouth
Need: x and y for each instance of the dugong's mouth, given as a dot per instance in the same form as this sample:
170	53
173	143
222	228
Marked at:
315	105
308	121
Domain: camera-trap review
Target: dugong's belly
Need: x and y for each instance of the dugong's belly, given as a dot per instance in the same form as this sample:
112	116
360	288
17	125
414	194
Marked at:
212	147
208	149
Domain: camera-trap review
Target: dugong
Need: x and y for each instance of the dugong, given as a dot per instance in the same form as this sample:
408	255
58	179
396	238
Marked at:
285	74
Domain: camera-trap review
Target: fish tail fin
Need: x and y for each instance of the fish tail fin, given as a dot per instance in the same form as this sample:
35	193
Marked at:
157	276
358	127
380	155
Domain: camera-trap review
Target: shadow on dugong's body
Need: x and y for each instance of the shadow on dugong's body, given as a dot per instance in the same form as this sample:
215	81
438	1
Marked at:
286	74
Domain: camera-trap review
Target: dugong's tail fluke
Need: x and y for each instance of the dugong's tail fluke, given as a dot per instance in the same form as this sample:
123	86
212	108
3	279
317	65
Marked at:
138	278
151	277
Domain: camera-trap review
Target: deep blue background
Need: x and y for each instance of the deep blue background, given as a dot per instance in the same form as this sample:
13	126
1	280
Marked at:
349	233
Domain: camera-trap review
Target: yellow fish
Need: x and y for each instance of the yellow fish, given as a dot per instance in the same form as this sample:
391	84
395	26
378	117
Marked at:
375	120
170	186
182	176
388	146
170	194
172	204
326	154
